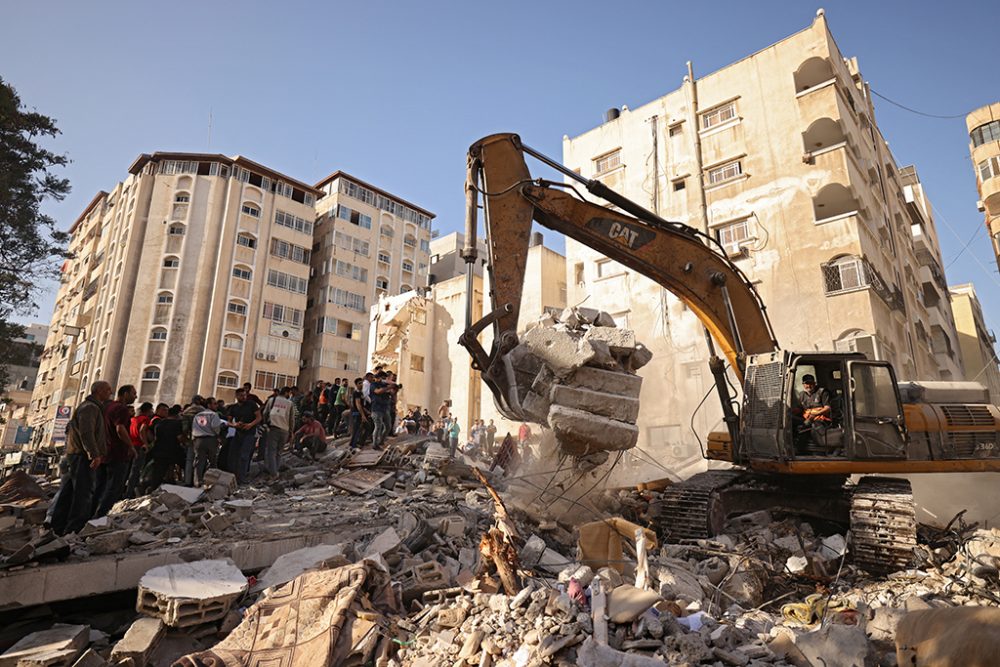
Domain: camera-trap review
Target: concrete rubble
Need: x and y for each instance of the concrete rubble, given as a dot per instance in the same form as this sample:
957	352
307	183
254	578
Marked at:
576	375
477	574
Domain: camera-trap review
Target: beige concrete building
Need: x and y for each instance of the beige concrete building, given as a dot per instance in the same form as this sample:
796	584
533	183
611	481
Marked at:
15	398
984	145
190	276
977	341
779	157
369	243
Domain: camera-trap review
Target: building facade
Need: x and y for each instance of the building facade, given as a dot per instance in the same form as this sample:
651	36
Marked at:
189	277
779	158
977	341
15	398
984	145
369	243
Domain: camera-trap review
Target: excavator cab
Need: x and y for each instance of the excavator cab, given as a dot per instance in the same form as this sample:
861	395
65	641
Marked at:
865	420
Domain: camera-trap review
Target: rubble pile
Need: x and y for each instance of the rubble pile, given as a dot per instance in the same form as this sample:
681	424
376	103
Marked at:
576	374
422	560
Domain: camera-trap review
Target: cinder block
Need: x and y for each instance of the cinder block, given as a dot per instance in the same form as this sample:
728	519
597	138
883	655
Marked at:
224	479
216	522
421	579
621	408
189	594
609	382
139	641
194	513
441	595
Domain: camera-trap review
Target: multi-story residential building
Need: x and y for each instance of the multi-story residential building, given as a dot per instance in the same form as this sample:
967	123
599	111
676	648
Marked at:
189	277
368	243
21	377
977	341
779	158
984	145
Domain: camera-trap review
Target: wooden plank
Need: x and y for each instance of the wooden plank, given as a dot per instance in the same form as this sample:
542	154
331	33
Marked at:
360	481
599	603
367	458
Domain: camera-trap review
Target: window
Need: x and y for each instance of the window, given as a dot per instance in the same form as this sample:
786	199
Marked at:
382	202
384	257
382	283
277	312
182	198
407	266
425	245
725	172
989	168
232	343
988	132
286	250
151	373
845	273
286	281
718	115
410	241
420	316
227	380
354	217
293	222
251	210
607	268
607	162
874	392
675	131
350	271
731	236
344	298
246	241
158	334
416	363
386	231
268	380
176	230
242	273
171	263
236	308
348	242
165	298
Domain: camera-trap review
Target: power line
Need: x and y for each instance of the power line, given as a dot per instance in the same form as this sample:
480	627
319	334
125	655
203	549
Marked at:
964	248
911	110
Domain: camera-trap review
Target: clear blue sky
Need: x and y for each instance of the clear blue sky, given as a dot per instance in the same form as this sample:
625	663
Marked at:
395	92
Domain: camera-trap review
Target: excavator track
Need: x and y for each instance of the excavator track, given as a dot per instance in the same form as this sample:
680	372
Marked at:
691	509
883	524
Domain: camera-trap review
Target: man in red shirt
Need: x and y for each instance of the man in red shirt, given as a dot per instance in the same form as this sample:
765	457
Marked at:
311	436
139	433
113	473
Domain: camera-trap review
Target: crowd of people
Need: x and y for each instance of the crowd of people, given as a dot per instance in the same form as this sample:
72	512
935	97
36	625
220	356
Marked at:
116	451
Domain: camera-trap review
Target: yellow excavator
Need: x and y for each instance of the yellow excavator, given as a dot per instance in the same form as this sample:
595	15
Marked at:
875	424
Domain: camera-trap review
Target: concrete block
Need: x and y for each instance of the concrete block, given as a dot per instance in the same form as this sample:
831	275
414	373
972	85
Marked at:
841	645
214	476
291	565
558	349
603	358
384	542
190	593
421	579
217	492
639	357
609	382
186	493
614	407
536	406
619	340
531	552
241	509
193	514
542	383
450	525
572	318
139	641
108	543
216	522
604	319
580	432
58	646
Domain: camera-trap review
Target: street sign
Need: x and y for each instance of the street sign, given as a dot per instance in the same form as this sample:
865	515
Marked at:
59	425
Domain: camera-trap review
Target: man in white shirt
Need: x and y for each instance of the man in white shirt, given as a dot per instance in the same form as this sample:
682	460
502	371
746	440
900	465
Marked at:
278	415
205	428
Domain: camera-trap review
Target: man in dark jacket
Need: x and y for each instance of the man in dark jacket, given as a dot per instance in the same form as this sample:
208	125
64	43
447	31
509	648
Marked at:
112	474
86	449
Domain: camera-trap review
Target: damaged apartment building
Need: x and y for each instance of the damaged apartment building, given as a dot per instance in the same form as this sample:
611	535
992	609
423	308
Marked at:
779	157
195	274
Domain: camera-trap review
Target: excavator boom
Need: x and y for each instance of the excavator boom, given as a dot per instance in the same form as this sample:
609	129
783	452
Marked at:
676	256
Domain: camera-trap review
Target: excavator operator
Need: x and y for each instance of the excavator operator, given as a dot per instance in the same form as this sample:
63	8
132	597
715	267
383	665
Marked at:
816	414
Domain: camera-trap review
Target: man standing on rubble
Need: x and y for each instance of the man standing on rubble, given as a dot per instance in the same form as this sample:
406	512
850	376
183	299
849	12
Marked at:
194	408
359	415
246	417
86	447
113	473
382	396
205	429
278	415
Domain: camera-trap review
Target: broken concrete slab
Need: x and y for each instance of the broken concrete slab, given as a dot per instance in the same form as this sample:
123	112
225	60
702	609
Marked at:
383	543
627	603
841	645
214	476
581	432
139	642
620	408
291	565
108	543
58	646
592	654
559	351
90	658
190	593
188	494
617	340
608	382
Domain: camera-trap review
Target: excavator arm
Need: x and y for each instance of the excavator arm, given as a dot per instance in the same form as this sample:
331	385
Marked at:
676	256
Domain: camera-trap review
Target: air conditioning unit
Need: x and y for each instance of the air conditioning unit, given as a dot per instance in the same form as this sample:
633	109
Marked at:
261	355
272	357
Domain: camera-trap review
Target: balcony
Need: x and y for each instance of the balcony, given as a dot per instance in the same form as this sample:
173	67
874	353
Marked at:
990	194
